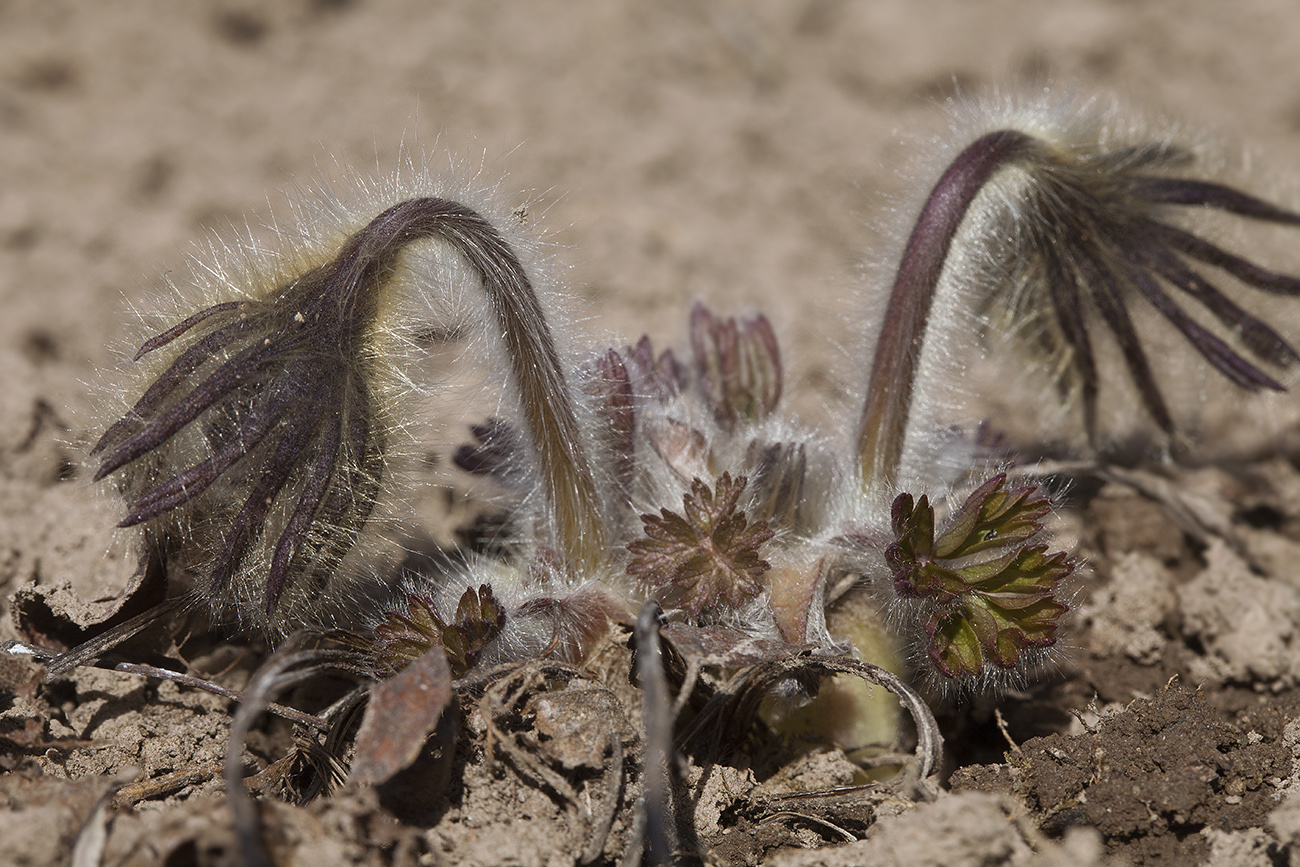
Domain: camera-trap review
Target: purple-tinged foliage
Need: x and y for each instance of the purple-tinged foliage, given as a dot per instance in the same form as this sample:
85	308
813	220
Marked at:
982	588
658	379
406	635
738	365
707	557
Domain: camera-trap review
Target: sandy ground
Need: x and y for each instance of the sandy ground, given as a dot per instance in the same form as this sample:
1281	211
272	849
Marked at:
744	153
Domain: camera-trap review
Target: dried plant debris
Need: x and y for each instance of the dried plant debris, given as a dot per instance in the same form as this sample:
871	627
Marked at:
403	711
686	583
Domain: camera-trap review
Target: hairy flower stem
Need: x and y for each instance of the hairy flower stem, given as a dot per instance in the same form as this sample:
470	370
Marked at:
902	332
545	398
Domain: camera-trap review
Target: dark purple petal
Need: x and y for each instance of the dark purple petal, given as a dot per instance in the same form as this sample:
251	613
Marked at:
1257	336
1243	269
1220	356
1063	289
1182	191
1108	295
230	376
181	328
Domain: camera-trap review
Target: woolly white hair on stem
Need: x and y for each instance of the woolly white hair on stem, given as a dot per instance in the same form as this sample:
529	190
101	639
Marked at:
263	451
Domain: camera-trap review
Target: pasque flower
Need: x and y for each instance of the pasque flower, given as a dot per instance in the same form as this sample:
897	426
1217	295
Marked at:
263	441
1072	221
266	436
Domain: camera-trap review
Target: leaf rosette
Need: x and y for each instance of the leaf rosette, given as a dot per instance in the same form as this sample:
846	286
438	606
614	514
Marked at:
706	557
984	588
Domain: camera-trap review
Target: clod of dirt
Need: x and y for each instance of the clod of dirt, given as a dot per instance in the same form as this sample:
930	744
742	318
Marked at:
349	828
1246	623
1249	848
1126	615
1284	824
39	816
573	727
1150	779
968	829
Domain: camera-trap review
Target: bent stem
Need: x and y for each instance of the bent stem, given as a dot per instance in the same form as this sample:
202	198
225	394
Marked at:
544	395
902	331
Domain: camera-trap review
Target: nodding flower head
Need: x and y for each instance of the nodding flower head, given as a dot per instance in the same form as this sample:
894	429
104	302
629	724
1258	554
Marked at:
265	440
1108	236
1082	237
1074	226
